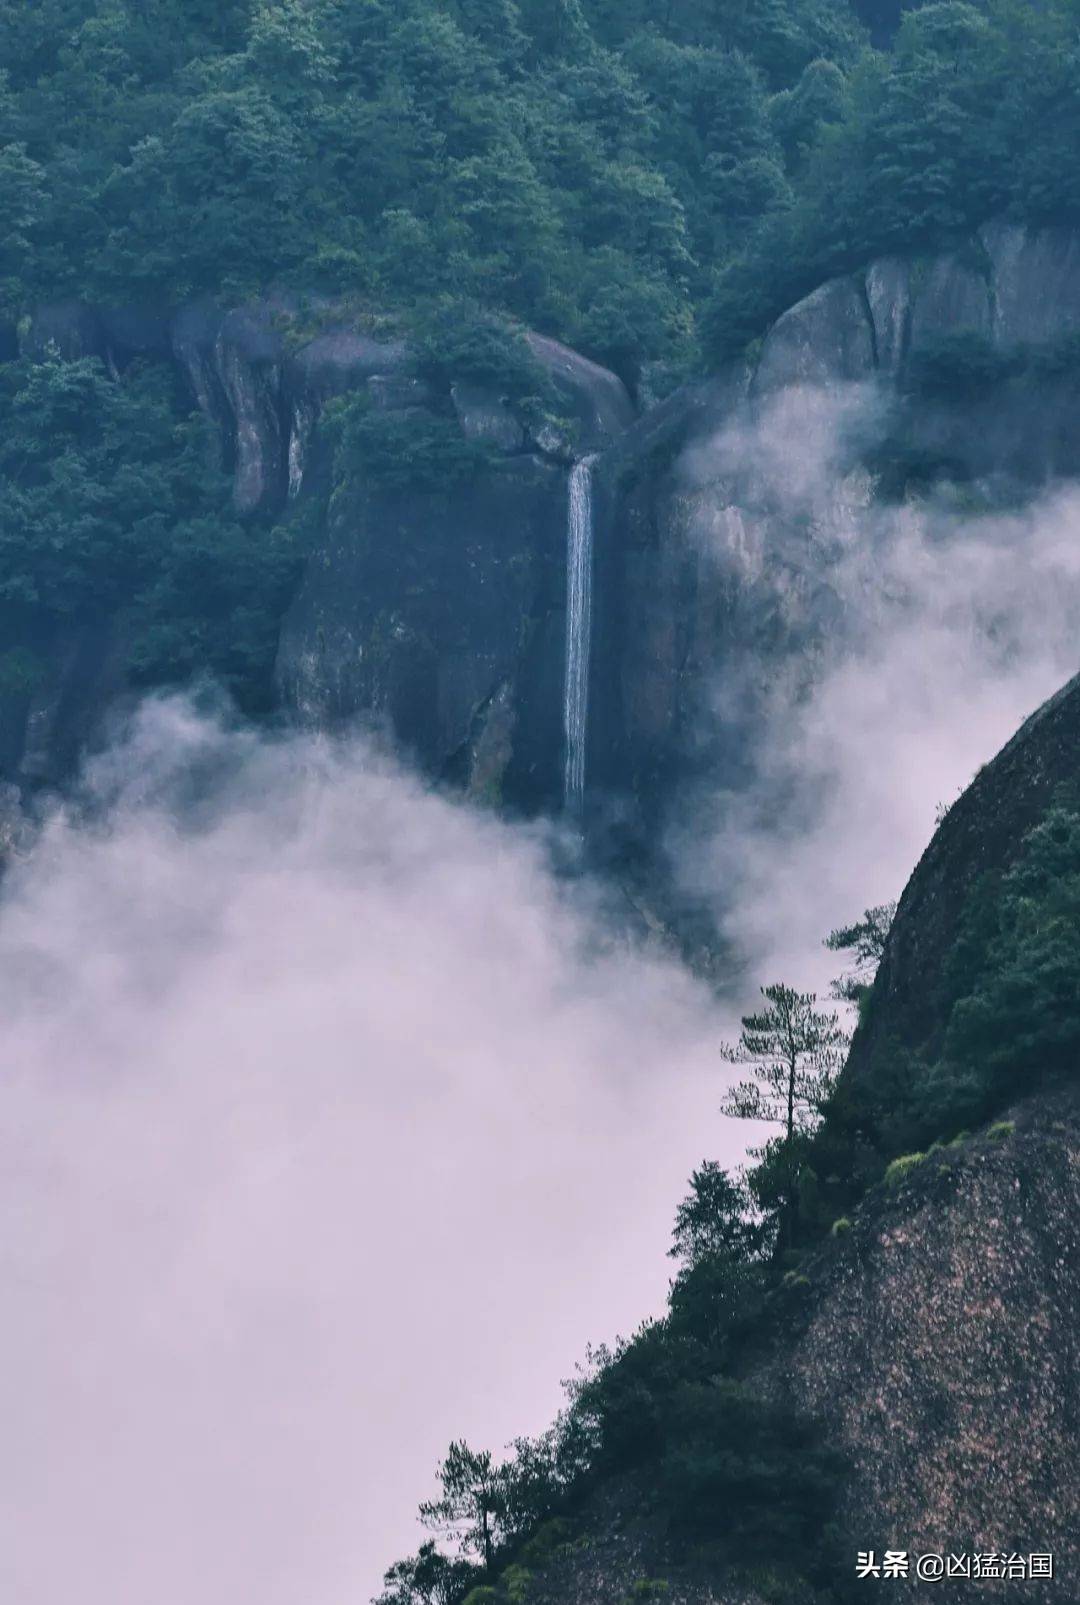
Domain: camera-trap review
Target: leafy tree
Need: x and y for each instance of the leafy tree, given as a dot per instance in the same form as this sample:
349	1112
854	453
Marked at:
1019	1022
712	1222
720	1242
794	1053
427	1578
750	1478
110	507
22	204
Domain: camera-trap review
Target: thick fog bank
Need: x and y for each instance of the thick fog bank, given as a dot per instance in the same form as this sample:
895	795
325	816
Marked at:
332	1127
335	1123
932	629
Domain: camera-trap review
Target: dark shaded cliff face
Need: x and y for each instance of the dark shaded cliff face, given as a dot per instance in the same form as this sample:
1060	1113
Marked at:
716	552
436	614
980	835
950	378
442	616
441	612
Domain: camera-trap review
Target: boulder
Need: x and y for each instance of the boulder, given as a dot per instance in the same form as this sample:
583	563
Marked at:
596	399
826	339
485	416
342	359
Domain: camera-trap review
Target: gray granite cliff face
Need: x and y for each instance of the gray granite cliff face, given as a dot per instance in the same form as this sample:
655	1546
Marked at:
436	615
728	508
714	554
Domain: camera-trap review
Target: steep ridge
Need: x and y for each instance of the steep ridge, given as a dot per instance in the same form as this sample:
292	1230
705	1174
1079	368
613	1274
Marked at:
931	1336
940	1338
979	837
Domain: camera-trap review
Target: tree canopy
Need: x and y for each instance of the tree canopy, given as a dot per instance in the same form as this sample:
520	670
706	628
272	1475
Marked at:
607	172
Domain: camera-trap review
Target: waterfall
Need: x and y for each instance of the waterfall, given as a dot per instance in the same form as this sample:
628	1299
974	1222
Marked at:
579	560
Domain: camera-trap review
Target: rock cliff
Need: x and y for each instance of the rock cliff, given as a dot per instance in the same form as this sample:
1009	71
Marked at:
720	514
437	613
729	508
940	1351
978	836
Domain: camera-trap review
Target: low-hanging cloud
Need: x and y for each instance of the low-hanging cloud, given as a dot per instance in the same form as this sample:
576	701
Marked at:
334	1125
336	1121
935	629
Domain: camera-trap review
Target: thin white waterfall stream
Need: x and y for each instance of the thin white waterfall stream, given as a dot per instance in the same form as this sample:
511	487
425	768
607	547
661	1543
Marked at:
579	564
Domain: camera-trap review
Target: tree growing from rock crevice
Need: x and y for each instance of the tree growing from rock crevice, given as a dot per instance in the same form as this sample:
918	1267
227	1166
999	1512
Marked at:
865	940
794	1052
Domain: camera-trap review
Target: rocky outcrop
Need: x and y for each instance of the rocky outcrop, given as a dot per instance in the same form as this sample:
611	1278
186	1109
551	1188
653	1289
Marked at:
941	1353
441	617
980	834
715	548
596	401
727	509
825	339
261	380
441	612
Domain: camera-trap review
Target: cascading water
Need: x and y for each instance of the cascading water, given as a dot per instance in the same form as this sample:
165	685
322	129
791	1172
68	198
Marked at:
579	562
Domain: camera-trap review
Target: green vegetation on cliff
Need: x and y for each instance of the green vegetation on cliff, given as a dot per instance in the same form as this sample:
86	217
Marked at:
604	172
711	1471
111	506
650	184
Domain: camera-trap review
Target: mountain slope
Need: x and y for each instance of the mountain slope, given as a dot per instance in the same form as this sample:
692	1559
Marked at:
908	1380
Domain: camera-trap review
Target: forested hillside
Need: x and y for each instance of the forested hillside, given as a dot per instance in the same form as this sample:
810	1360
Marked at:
597	170
650	184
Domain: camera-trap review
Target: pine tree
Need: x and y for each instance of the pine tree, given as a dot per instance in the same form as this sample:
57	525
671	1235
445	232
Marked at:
473	1503
794	1053
866	940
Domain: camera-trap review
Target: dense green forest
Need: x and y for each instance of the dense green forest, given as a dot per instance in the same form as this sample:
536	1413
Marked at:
649	182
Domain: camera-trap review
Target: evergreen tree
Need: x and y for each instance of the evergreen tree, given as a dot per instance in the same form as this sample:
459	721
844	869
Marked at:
713	1221
865	940
471	1509
794	1052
